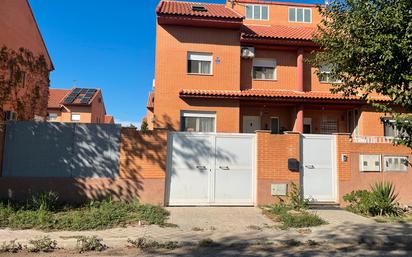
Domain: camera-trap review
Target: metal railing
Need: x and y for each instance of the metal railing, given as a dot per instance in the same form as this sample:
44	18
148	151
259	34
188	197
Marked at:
373	139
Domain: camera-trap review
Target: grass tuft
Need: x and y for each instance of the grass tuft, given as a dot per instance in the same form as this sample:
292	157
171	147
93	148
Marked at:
145	244
44	244
291	218
10	247
91	243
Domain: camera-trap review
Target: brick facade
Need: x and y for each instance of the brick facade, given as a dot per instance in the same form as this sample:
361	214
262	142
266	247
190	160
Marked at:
273	152
350	178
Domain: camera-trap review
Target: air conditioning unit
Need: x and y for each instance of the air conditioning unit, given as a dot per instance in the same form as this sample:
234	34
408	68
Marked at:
247	52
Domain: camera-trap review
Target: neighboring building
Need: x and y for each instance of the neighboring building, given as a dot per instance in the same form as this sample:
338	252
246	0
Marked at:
18	29
240	68
84	105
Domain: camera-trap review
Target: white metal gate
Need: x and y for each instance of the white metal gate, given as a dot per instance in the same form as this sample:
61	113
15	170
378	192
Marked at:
319	167
211	169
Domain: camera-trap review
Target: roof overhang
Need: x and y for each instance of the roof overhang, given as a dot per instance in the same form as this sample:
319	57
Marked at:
276	95
278	42
195	21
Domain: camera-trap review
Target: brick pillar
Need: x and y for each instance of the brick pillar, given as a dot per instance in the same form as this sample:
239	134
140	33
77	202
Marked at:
298	126
299	61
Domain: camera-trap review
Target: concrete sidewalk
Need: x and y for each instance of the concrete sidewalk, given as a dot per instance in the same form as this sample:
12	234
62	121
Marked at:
237	226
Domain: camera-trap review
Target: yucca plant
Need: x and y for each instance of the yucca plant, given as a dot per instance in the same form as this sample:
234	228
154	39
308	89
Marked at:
384	199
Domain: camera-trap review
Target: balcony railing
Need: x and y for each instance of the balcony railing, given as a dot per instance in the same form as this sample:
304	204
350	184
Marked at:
373	140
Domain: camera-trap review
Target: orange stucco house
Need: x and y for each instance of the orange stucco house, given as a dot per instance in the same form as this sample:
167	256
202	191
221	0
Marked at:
236	95
243	66
83	105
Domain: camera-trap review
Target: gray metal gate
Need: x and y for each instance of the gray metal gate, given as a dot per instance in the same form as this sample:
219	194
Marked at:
42	149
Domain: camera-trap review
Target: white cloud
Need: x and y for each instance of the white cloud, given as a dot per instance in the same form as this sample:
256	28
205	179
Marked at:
126	123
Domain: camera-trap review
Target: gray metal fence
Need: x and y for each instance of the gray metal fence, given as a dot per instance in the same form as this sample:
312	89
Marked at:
65	150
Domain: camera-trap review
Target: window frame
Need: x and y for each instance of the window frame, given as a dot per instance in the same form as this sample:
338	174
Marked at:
296	14
264	59
199	53
73	114
55	116
326	70
197	114
253	12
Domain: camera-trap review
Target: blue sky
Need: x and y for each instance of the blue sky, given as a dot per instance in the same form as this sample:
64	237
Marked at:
105	44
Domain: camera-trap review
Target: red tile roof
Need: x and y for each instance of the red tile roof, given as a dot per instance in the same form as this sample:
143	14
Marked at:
268	93
278	32
185	8
56	96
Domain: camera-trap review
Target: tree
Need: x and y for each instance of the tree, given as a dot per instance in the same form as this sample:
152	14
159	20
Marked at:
368	46
24	83
144	126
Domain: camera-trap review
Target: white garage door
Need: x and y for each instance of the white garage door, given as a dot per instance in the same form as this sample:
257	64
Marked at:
211	169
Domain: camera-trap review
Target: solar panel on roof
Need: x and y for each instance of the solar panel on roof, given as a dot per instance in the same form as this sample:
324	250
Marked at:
85	100
84	95
68	100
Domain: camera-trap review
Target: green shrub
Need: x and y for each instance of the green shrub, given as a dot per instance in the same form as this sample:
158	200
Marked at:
90	243
360	201
380	200
44	201
44	244
296	201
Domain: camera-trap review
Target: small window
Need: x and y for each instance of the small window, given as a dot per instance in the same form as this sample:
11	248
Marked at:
274	125
199	63
328	126
300	14
257	12
52	116
390	130
307	125
264	69
395	163
10	115
75	117
325	75
198	121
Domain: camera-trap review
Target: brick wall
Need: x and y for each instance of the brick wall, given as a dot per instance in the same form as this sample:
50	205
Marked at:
273	152
350	178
